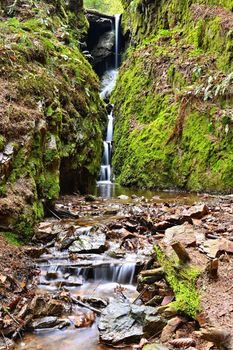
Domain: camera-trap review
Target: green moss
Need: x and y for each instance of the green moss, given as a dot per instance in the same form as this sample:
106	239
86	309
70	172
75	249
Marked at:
2	142
166	133
182	279
11	238
62	118
24	227
51	185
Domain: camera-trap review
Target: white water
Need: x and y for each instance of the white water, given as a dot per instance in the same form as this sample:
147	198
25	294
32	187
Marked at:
117	38
108	83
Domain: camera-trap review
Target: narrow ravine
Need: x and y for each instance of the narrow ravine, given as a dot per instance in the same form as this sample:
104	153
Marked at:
93	274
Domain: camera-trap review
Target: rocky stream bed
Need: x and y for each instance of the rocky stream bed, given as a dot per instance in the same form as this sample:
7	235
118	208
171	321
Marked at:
102	273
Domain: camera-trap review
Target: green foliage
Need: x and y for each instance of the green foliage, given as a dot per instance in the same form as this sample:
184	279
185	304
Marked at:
182	279
106	6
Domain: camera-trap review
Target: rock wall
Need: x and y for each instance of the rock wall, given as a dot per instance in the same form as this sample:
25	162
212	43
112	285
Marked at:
51	116
173	99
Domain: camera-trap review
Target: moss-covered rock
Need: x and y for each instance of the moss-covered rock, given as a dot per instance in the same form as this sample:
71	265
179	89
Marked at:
174	95
52	118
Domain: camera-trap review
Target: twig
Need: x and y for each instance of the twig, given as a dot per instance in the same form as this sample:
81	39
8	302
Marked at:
79	302
12	317
141	294
54	214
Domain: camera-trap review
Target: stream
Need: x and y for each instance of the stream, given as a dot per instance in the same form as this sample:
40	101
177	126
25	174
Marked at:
91	274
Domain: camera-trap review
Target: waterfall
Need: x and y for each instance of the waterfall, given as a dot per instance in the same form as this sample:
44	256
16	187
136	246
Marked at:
108	83
105	170
117	39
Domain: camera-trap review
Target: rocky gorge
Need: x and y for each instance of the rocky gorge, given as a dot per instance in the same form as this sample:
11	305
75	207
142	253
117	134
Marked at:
84	262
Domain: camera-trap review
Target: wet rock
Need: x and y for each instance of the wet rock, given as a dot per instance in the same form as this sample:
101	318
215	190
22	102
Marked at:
44	306
94	241
51	275
118	325
121	322
44	322
95	302
104	47
6	344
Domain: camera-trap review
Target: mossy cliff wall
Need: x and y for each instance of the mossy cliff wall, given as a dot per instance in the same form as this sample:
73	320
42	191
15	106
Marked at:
174	96
51	116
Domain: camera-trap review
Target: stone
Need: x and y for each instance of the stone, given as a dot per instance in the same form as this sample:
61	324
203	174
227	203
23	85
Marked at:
9	149
92	241
185	234
123	197
197	211
170	328
121	322
83	319
35	252
42	306
118	325
153	325
44	232
44	322
214	247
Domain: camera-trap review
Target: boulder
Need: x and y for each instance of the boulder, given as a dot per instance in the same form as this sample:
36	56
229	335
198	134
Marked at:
185	234
44	322
197	211
214	248
121	322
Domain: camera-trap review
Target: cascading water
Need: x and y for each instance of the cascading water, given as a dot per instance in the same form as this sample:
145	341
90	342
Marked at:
108	83
117	39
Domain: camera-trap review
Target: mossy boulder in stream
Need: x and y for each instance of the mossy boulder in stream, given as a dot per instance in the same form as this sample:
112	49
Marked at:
173	98
52	118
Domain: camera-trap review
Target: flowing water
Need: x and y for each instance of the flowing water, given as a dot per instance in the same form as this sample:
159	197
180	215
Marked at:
92	275
108	83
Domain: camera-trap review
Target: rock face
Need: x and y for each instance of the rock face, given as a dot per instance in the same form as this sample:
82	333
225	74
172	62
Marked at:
170	141
52	139
104	47
121	322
